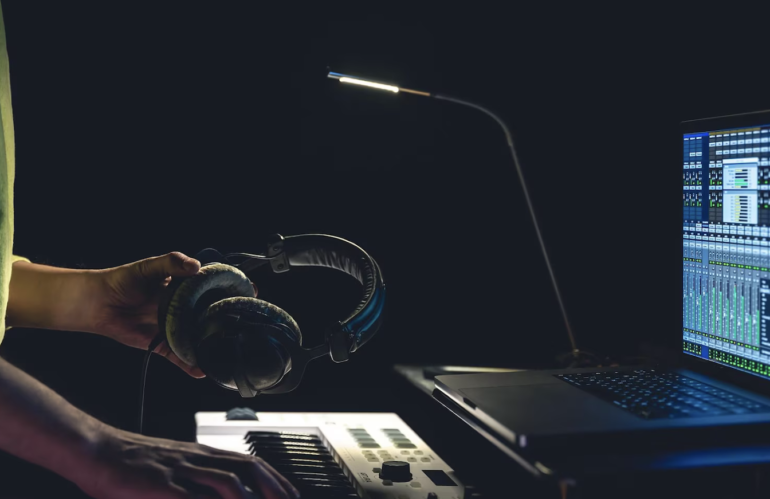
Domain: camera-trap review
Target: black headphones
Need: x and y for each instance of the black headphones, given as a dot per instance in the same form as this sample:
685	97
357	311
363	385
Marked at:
214	321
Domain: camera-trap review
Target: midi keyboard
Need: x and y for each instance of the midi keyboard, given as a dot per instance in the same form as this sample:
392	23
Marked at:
337	455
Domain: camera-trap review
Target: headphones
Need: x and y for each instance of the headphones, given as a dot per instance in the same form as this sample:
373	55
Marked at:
213	319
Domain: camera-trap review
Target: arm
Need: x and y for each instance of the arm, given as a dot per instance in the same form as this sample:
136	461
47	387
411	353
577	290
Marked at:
46	297
41	427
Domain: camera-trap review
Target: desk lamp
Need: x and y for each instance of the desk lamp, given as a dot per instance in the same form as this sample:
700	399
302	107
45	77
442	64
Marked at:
576	354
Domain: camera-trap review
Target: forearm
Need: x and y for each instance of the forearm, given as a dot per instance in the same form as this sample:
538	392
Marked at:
49	297
39	426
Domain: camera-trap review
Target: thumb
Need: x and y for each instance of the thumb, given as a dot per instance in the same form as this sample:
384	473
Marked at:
174	264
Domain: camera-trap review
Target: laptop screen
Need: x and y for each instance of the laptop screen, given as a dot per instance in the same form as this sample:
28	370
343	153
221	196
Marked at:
726	243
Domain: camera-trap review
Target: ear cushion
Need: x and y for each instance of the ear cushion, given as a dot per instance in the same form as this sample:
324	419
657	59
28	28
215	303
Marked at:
256	310
217	280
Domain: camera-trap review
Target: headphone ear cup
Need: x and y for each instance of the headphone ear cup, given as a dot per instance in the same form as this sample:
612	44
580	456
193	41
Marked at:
257	311
190	299
265	361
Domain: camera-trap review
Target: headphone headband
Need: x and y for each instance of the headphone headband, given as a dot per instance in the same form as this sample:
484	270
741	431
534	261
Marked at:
321	250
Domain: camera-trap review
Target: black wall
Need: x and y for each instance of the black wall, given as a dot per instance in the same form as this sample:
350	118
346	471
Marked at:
143	130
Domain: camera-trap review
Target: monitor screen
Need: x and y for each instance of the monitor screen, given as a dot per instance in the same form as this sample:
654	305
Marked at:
726	243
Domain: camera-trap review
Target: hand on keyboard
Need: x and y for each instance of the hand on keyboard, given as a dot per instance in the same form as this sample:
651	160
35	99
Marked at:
128	465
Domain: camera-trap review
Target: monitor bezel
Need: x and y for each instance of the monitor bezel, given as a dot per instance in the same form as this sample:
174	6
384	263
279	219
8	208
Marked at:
727	373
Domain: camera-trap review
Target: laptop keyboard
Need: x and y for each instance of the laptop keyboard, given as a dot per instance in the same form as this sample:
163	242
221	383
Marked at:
651	394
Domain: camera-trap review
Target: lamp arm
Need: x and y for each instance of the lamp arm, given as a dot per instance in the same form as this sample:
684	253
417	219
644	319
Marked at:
509	140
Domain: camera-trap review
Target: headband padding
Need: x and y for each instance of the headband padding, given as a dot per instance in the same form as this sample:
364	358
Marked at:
217	281
334	253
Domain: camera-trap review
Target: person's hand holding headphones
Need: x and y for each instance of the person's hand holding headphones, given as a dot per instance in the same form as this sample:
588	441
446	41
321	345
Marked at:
125	302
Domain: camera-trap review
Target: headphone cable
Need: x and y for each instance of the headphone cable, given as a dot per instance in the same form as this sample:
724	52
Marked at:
153	345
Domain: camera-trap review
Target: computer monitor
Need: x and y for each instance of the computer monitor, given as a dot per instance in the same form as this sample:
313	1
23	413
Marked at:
726	241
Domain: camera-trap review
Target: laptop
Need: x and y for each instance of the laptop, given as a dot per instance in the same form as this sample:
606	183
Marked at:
718	388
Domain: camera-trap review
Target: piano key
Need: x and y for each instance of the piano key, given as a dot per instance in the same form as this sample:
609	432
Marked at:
288	448
294	440
281	434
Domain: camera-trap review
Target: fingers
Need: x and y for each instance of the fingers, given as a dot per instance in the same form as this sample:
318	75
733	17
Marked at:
254	472
227	485
286	484
174	264
272	486
164	350
193	371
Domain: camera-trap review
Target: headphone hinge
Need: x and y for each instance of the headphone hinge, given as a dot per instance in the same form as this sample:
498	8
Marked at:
339	343
278	259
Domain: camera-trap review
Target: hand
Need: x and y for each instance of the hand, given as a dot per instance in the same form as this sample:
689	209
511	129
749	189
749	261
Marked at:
127	302
126	465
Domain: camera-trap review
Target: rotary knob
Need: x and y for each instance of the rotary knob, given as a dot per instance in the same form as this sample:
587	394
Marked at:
396	471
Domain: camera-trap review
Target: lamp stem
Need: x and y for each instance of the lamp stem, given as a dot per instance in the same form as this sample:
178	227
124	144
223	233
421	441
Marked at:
509	140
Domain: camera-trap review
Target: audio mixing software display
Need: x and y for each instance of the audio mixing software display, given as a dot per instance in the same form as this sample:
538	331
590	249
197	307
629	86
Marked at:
726	281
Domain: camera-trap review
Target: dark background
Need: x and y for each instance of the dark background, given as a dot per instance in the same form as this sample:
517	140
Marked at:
147	129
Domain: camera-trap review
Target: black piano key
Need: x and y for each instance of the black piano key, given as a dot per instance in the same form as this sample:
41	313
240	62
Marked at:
305	461
273	435
289	461
282	443
286	450
315	468
296	456
278	443
339	481
312	474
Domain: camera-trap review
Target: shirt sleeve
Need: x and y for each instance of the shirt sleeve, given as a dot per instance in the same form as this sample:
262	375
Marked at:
17	258
14	259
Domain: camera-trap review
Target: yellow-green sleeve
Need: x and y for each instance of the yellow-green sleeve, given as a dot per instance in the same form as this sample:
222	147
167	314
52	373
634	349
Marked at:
7	177
14	259
17	258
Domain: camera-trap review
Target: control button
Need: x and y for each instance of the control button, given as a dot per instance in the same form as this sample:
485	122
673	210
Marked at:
411	459
383	451
425	459
418	453
365	440
241	413
432	495
400	440
391	430
367	445
373	460
406	446
416	485
376	470
397	471
405	452
387	457
387	482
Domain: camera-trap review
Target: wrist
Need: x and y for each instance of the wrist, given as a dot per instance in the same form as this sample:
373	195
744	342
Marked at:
52	298
80	459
